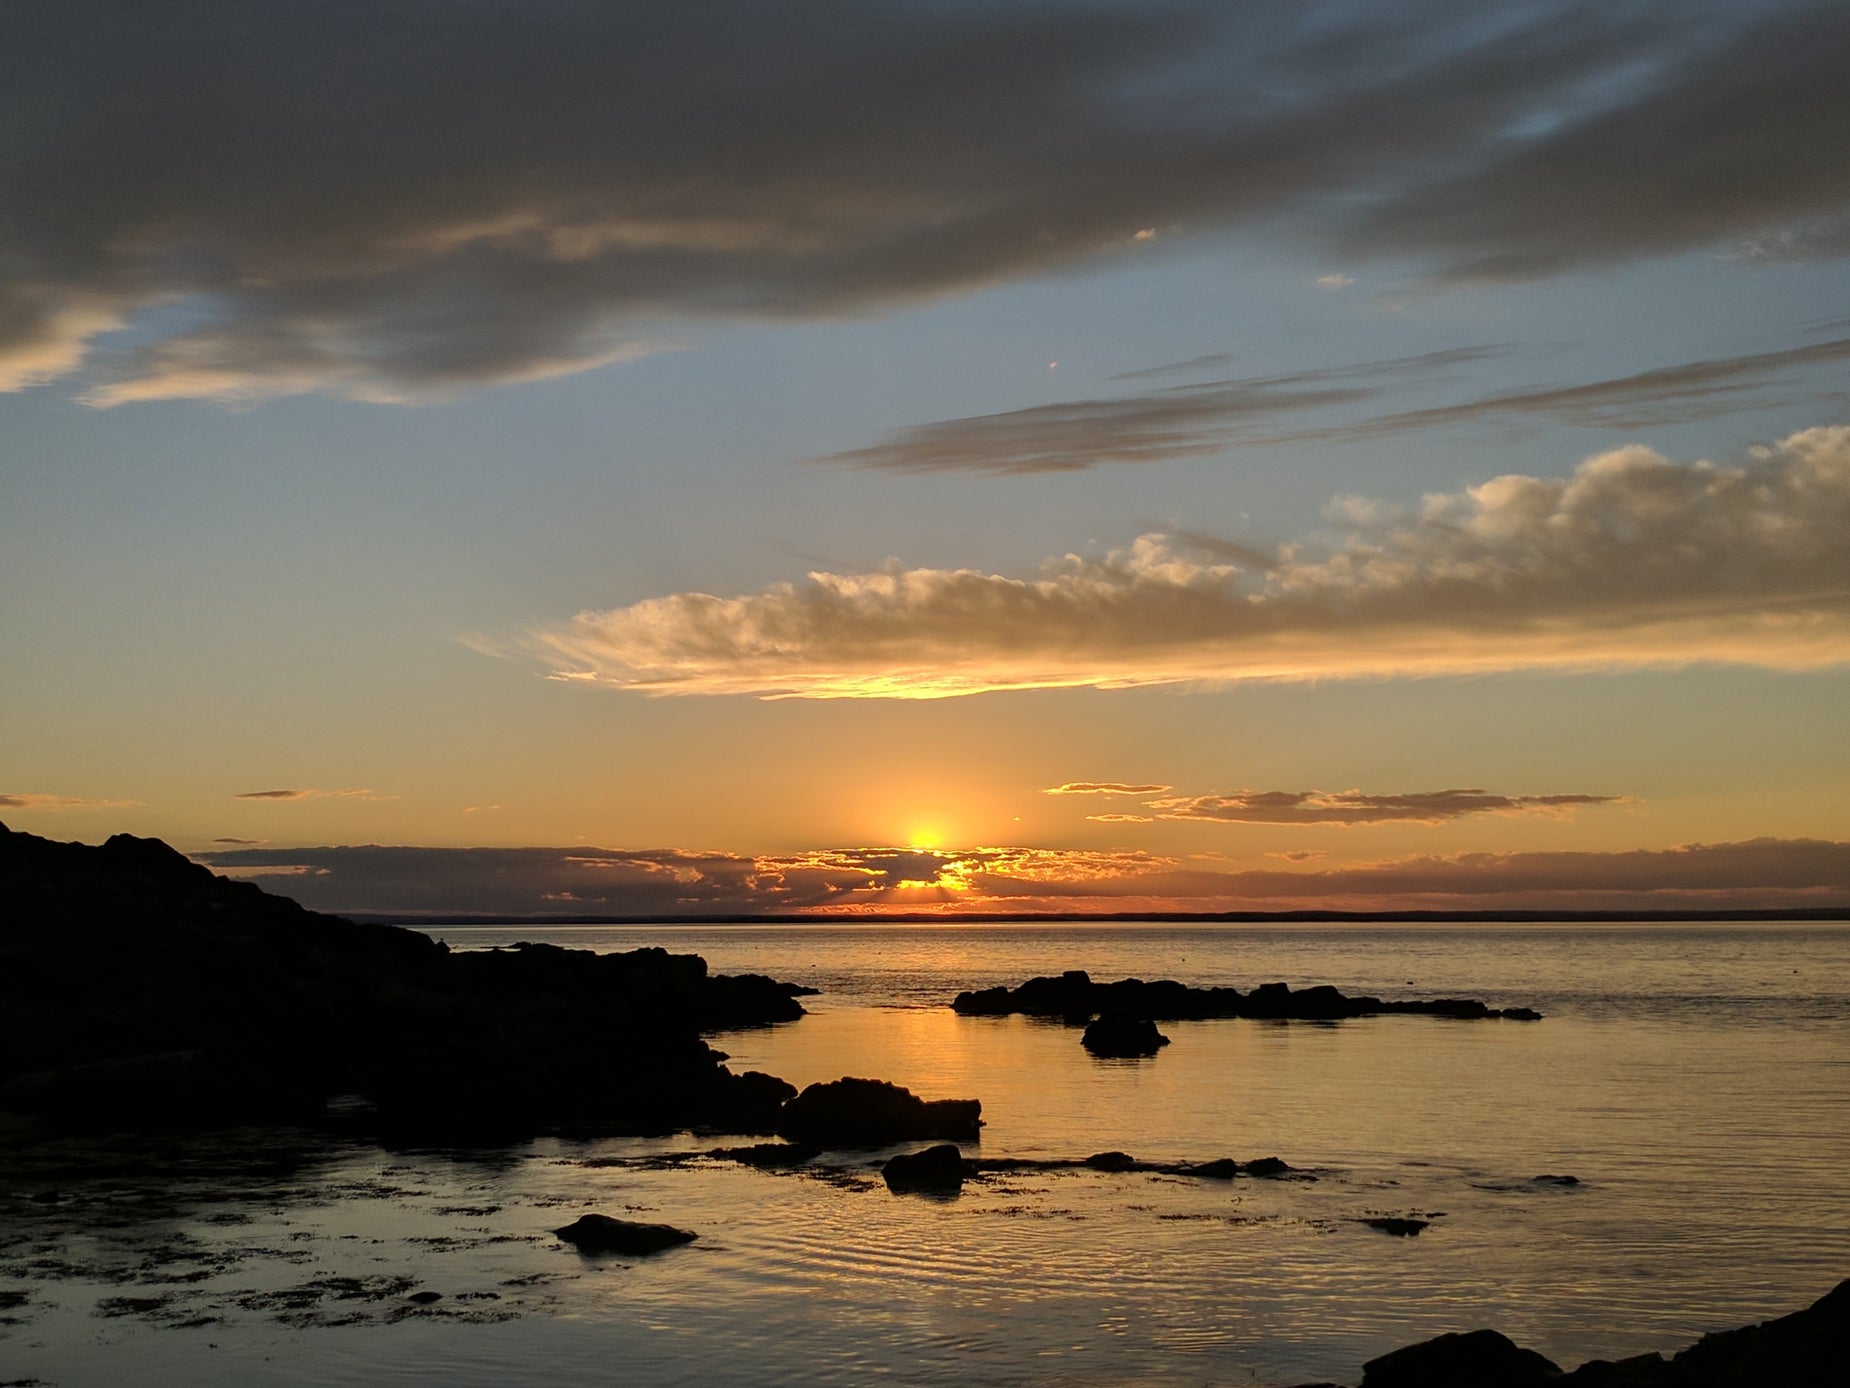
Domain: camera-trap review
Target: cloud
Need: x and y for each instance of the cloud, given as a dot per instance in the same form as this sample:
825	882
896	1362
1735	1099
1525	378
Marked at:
1186	421
359	793
241	843
1352	807
1299	855
1122	818
508	190
1631	561
1103	788
1173	422
1175	368
1761	873
537	881
28	800
1334	282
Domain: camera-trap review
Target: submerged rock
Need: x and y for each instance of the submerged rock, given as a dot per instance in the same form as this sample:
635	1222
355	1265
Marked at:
872	1113
936	1170
596	1233
1123	1037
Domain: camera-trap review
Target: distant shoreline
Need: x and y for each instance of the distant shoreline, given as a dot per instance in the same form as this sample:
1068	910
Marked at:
1808	915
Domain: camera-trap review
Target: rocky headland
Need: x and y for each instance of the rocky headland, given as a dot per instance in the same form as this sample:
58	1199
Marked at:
143	991
1077	998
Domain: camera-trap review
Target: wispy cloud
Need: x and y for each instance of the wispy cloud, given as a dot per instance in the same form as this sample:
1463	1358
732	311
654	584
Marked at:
1186	421
240	843
31	800
1351	807
502	191
1173	422
1103	788
359	793
1762	872
1631	561
1194	365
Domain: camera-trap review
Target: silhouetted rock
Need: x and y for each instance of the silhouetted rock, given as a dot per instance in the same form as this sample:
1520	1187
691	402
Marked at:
769	1156
873	1113
1221	1169
596	1233
1269	1168
1111	1161
1123	1037
1809	1347
141	991
1075	997
1398	1225
1479	1359
936	1170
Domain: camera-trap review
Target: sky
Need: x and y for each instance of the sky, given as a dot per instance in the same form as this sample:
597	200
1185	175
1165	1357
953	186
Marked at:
528	456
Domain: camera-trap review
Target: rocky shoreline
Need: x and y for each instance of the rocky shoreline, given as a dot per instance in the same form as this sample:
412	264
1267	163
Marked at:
145	993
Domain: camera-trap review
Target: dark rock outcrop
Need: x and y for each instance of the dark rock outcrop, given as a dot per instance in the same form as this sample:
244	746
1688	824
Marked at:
935	1171
1805	1348
1220	1169
143	991
1075	997
769	1156
1401	1226
596	1233
873	1113
1475	1360
1122	1037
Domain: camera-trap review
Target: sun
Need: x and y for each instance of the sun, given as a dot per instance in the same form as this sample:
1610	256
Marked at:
925	838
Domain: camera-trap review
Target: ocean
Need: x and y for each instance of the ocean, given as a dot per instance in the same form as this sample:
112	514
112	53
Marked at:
1694	1079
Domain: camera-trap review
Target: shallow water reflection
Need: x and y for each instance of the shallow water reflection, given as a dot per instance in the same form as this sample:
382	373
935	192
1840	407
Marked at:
1706	1138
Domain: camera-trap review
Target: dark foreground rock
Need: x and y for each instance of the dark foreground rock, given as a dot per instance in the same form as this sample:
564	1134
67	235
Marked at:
1474	1360
1809	1347
1123	1038
596	1233
873	1113
935	1171
1075	997
142	991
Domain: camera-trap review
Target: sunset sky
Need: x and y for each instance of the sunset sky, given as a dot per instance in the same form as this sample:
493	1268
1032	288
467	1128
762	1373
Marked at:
532	456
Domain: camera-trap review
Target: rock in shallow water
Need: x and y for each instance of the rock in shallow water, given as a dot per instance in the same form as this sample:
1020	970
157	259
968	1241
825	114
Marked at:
1123	1038
873	1113
935	1171
596	1233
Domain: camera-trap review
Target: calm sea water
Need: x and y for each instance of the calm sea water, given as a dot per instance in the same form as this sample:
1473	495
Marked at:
1695	1079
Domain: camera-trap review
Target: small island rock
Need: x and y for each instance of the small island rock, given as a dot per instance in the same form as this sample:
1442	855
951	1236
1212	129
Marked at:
935	1171
596	1233
1123	1037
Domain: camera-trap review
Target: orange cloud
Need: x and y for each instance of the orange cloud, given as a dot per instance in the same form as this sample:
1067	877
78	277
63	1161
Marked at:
1631	561
1103	788
28	800
1353	807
